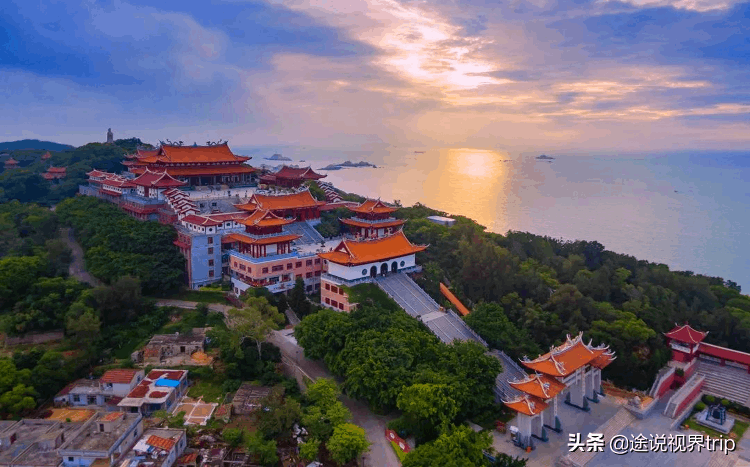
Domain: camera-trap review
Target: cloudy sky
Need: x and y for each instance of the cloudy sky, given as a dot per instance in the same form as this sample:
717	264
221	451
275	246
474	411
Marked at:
519	75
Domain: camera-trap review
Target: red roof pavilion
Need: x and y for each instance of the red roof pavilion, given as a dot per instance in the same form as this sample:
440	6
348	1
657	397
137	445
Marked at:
565	359
352	253
156	180
291	177
686	334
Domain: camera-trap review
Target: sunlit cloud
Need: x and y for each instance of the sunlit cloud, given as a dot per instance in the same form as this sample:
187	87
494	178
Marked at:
695	5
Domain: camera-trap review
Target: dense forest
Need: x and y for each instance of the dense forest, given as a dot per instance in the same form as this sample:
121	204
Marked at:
118	245
527	292
26	185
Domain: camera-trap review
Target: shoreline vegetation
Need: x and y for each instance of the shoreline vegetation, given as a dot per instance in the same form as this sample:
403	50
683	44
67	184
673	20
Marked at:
348	165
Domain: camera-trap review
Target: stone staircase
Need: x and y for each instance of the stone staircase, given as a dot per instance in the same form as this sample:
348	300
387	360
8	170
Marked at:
610	428
511	371
725	382
404	291
308	234
331	195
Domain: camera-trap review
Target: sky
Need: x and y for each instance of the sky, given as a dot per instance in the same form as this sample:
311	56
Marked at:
523	75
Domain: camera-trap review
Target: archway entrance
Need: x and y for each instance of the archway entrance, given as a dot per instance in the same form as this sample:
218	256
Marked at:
373	271
394	267
384	269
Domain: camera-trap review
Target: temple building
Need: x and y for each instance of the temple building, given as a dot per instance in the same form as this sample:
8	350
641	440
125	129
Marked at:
290	177
373	219
299	205
352	262
55	173
572	369
685	342
10	163
194	165
264	255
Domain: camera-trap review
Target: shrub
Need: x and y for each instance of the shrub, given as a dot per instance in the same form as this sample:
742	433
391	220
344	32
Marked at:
710	399
725	402
700	406
679	372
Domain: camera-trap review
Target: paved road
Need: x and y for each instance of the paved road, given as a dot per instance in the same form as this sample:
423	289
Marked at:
381	453
77	267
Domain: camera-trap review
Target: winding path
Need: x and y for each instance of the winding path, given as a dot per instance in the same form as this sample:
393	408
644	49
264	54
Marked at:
77	266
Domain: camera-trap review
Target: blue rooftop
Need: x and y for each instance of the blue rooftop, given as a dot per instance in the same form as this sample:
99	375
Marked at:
164	382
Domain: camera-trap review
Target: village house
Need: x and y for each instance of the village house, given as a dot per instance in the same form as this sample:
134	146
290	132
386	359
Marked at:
160	390
102	440
158	447
173	349
106	391
34	443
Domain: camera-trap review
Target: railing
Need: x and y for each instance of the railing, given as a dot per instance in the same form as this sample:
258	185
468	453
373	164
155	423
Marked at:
471	331
339	280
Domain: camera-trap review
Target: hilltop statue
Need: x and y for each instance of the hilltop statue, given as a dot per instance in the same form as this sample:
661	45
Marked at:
110	136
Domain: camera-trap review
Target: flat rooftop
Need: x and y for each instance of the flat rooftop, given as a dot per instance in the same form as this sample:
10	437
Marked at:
26	450
91	439
312	248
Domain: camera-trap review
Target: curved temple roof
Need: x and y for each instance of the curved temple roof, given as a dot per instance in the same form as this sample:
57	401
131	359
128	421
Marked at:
352	253
373	206
527	405
686	334
541	386
566	358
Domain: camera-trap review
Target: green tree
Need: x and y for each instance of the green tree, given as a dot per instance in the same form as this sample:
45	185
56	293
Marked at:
322	333
458	447
278	415
432	405
309	450
234	436
263	451
325	411
297	298
82	324
255	320
504	460
347	442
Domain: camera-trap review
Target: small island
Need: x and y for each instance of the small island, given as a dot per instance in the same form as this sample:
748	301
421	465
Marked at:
277	157
544	157
348	164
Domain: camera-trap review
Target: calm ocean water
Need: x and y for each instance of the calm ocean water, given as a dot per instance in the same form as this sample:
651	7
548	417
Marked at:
690	211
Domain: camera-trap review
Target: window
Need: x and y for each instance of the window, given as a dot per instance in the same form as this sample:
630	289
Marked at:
71	459
341	306
317	273
76	398
402	264
328	301
364	272
289	265
210	273
308	262
264	270
309	288
298	264
317	260
308	275
334	289
210	262
334	303
328	286
235	265
211	251
285	277
242	266
279	267
317	286
210	240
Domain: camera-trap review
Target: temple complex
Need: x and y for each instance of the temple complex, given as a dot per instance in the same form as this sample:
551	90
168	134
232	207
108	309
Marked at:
194	165
372	219
290	177
351	262
573	369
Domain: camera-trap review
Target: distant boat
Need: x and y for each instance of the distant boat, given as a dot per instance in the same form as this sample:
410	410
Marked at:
544	157
419	152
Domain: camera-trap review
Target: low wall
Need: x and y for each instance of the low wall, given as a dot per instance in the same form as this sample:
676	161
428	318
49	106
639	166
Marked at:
663	382
35	338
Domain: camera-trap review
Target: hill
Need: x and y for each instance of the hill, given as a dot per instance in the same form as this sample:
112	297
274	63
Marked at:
34	144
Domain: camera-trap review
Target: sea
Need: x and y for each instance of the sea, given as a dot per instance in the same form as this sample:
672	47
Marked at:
689	210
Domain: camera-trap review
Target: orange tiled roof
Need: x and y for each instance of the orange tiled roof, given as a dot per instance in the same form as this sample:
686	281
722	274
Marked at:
373	206
194	154
304	173
57	170
156	179
541	386
302	199
48	176
46	156
263	218
201	220
377	225
161	443
527	405
686	334
351	253
188	458
237	237
565	359
210	170
97	173
603	360
123	376
140	152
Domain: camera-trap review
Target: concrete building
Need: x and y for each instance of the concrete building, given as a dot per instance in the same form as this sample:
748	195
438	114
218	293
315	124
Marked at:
441	220
165	347
34	443
113	385
156	448
160	390
102	441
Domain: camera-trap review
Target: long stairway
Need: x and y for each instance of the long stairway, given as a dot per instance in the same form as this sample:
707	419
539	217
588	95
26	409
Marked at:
511	371
309	234
408	294
725	381
610	428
